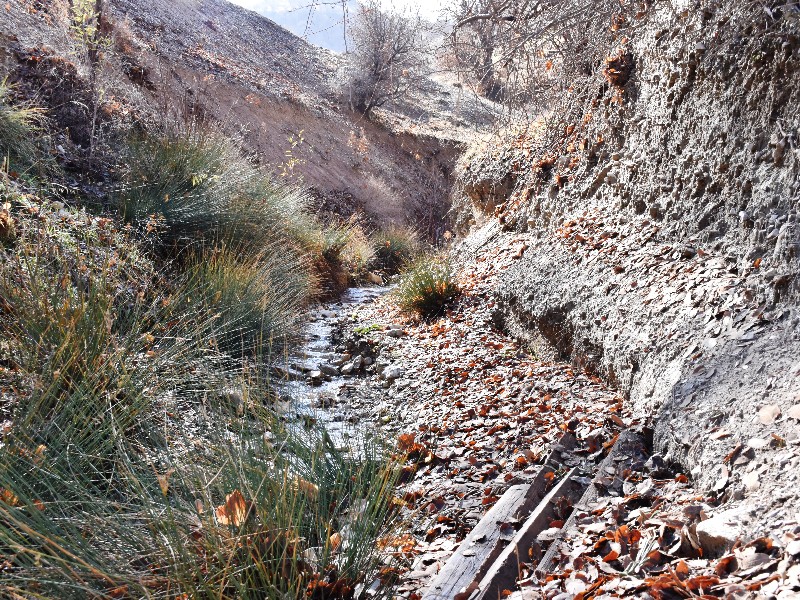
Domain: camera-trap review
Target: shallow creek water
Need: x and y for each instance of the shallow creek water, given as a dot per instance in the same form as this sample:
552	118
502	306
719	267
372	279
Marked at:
315	388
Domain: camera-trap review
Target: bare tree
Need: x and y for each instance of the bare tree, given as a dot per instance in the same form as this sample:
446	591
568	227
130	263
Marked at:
387	57
480	29
527	50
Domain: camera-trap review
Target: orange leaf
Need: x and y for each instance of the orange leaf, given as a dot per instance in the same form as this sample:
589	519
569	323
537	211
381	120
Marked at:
335	541
163	480
682	570
309	489
235	511
8	497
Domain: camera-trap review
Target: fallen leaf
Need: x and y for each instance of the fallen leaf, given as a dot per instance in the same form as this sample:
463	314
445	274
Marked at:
335	541
235	511
309	489
726	565
682	570
163	480
8	497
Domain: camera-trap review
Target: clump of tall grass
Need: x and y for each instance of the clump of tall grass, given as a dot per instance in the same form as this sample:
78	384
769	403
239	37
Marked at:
255	299
196	189
19	130
427	287
358	253
187	182
394	248
119	478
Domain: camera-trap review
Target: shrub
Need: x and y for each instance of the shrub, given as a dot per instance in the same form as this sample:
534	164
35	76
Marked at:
19	130
427	287
254	300
395	247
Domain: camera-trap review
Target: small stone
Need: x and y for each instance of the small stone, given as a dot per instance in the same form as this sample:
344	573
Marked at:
656	466
328	369
751	481
393	372
794	412
793	548
718	534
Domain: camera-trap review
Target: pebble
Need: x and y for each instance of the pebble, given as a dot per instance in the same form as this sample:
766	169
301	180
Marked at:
392	372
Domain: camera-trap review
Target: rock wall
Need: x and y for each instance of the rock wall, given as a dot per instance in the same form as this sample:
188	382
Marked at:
661	247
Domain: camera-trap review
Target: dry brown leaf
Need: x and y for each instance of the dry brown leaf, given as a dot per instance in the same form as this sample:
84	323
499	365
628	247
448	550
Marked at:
309	489
163	480
335	541
235	511
682	570
8	497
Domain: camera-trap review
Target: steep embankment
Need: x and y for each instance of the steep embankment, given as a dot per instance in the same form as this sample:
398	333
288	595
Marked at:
659	247
169	62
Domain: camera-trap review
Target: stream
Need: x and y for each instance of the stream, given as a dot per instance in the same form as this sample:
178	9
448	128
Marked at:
320	376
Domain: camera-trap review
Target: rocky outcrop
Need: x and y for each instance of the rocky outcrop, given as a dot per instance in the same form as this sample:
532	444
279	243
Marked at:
663	244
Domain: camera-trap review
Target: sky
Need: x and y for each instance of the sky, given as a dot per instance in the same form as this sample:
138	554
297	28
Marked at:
325	27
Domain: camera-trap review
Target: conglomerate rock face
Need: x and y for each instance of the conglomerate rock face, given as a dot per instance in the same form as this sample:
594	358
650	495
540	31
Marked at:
662	249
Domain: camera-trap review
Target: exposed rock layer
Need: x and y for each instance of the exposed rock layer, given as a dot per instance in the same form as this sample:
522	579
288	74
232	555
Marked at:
662	247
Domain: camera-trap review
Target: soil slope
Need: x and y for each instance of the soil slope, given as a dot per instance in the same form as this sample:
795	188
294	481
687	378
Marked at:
173	62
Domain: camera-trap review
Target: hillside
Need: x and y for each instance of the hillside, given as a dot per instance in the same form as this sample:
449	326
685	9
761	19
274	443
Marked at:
215	61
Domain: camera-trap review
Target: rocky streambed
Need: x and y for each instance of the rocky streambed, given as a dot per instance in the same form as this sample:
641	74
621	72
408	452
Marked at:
336	377
478	414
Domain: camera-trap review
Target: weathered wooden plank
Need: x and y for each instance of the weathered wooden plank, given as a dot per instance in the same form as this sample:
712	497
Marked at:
629	447
461	574
503	574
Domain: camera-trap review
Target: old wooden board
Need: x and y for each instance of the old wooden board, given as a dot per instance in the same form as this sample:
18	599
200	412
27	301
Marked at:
461	574
629	447
503	574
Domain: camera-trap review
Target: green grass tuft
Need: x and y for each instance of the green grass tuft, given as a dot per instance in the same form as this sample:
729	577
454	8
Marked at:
427	287
19	131
254	300
395	248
